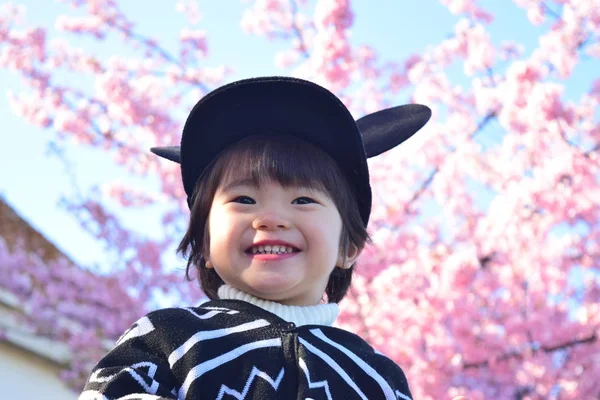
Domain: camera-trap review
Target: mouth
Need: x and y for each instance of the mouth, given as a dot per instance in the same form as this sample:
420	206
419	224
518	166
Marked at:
277	249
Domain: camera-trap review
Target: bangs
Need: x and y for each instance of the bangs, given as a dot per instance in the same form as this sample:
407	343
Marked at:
285	159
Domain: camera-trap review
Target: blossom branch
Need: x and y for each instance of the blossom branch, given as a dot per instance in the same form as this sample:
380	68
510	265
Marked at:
534	349
302	48
427	182
550	11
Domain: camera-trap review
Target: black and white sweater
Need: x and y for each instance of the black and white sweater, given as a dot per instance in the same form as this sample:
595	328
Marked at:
233	349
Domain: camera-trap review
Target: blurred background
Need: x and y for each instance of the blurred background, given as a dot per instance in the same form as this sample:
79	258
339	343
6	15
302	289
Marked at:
483	278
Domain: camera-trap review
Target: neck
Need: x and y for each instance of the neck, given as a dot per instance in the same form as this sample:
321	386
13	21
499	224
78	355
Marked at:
320	314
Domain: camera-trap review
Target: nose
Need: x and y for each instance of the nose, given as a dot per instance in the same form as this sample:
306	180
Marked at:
271	222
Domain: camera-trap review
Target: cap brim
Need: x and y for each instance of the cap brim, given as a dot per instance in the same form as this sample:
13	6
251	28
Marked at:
381	131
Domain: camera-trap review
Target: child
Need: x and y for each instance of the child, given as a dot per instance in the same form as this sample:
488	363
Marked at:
275	170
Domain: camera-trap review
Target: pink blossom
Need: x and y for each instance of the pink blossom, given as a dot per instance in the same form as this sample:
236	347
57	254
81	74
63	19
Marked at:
287	58
468	285
468	7
594	50
596	88
333	12
194	41
266	17
127	196
190	8
534	9
91	24
511	50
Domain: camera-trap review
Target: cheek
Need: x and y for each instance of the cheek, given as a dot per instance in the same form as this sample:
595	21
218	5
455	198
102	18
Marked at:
215	231
215	223
331	233
221	229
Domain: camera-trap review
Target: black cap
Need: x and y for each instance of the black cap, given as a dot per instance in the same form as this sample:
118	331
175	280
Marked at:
293	107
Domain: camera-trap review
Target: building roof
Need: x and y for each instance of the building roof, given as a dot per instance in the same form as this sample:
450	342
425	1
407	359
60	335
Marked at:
18	324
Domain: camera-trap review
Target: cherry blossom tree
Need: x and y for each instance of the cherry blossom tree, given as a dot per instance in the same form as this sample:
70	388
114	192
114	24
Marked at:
483	279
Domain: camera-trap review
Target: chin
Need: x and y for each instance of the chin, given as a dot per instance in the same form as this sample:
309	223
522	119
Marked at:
271	291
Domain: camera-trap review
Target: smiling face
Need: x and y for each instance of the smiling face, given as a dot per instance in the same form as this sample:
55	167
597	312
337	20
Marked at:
306	206
273	242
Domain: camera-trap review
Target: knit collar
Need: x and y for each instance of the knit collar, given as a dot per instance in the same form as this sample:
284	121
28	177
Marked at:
320	314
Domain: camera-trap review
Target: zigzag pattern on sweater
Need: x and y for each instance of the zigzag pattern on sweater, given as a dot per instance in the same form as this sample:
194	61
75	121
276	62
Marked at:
255	373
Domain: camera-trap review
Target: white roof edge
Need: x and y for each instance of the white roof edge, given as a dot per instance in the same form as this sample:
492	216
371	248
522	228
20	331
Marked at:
51	350
17	334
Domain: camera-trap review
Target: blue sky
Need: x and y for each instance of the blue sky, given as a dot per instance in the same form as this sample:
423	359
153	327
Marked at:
33	183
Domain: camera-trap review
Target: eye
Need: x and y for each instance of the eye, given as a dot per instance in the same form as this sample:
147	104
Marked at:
303	200
244	200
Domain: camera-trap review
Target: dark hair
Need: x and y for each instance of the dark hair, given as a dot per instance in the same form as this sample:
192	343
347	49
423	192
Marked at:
291	162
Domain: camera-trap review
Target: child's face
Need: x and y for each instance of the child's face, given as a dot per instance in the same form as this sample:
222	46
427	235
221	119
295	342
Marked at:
243	215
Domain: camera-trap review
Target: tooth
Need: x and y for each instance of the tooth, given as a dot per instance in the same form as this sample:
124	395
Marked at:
289	249
254	250
261	248
267	248
275	249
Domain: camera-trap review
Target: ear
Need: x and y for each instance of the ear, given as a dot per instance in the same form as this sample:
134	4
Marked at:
351	257
208	264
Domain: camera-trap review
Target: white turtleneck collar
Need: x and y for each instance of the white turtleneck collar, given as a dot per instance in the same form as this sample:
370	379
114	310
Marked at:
320	314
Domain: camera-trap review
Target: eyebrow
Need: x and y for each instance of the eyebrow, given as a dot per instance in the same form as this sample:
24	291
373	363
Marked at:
237	183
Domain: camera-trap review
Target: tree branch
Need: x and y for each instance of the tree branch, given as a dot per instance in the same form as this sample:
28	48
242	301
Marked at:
592	150
550	11
546	349
296	29
586	153
482	124
427	182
